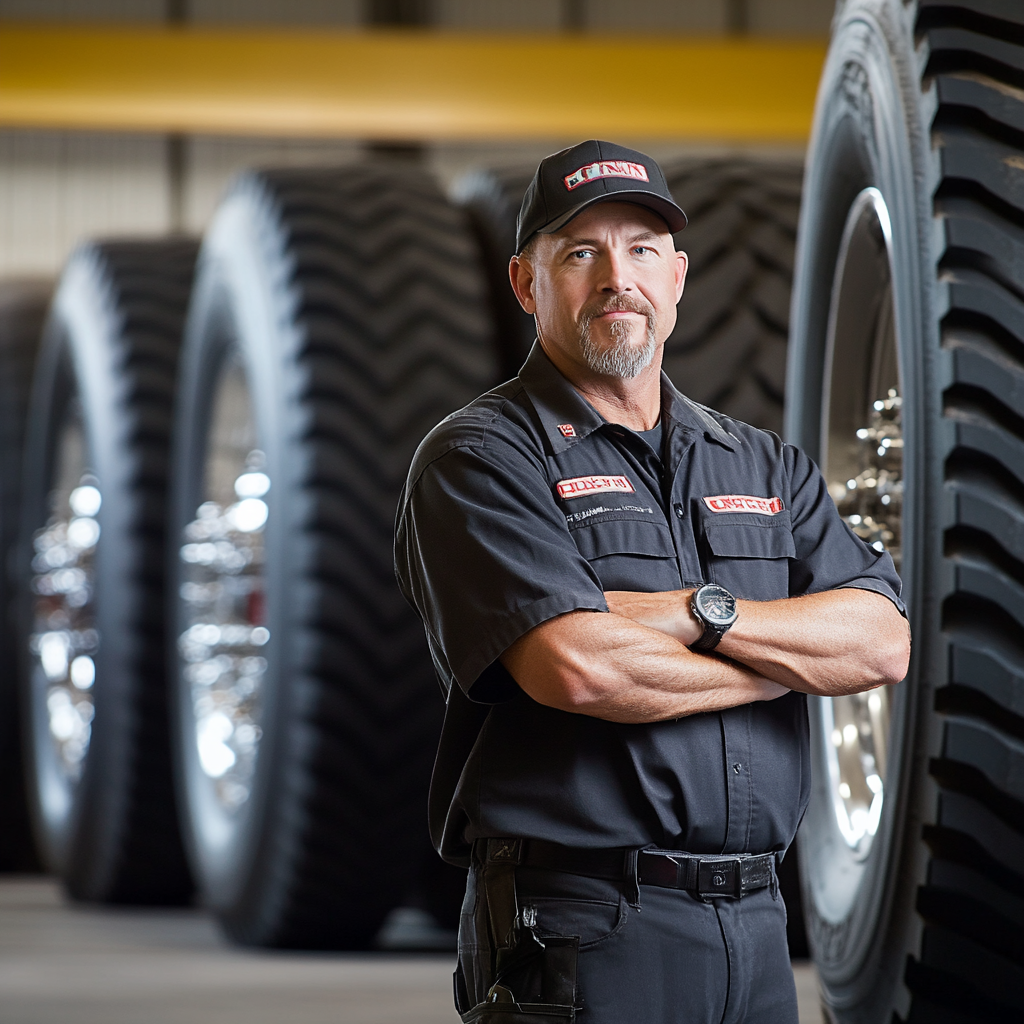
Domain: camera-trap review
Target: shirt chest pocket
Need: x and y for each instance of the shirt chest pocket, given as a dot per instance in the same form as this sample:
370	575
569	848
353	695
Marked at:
749	554
630	554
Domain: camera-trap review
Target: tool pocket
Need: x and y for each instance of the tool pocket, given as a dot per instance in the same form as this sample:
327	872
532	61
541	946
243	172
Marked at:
534	981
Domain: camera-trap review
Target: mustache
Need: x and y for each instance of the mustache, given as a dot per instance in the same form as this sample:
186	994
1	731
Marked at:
617	304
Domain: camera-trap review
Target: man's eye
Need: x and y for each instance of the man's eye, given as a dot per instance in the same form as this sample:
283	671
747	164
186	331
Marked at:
641	250
582	254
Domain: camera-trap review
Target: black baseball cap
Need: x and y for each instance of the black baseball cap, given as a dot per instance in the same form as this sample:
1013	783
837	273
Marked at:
569	181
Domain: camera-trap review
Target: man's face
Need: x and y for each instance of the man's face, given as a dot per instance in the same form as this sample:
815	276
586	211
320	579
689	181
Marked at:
604	289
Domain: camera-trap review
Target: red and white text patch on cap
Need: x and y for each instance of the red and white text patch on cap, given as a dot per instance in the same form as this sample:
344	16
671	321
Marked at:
605	169
578	486
744	503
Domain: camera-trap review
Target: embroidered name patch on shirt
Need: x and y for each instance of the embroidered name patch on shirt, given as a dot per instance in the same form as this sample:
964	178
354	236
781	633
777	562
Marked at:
581	485
744	503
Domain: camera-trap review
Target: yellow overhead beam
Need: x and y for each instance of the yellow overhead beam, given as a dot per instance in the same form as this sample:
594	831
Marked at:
404	85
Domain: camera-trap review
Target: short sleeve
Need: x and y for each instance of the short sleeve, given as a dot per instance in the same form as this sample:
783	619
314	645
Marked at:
829	555
484	555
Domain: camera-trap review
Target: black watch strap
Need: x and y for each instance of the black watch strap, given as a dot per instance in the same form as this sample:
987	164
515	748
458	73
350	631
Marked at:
710	638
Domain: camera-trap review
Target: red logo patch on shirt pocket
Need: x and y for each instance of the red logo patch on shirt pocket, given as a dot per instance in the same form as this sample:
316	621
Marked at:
578	486
744	503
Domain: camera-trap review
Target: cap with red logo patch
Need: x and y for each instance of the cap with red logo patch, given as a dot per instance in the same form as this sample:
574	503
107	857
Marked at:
567	182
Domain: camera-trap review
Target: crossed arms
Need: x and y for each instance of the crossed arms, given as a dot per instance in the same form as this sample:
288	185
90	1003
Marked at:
632	664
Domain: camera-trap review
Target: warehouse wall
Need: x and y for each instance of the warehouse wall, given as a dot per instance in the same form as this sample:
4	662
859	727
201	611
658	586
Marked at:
57	188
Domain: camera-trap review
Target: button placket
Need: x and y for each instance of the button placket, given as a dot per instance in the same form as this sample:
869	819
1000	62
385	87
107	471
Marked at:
736	740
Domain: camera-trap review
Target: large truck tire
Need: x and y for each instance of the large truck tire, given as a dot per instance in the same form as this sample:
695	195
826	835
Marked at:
337	316
23	305
92	574
906	383
728	349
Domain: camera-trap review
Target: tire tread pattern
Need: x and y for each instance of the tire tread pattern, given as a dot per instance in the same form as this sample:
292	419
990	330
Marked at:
128	848
390	307
970	964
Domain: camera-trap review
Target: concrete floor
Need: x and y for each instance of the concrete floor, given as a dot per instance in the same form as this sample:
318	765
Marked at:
74	965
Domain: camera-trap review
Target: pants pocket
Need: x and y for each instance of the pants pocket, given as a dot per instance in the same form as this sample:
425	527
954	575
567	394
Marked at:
591	921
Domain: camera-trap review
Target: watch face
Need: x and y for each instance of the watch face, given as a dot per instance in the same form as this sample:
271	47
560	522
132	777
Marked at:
716	604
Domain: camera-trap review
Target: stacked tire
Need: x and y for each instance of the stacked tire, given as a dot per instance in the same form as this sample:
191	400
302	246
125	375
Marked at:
907	383
90	573
337	316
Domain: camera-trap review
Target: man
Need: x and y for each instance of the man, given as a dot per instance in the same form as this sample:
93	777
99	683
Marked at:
627	597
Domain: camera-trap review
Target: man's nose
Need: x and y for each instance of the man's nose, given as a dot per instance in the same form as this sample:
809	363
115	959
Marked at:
615	277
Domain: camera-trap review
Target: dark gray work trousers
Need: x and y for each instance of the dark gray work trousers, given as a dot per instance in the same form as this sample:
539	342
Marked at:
580	952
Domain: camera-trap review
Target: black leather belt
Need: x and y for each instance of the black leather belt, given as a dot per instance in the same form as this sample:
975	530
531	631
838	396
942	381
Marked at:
703	876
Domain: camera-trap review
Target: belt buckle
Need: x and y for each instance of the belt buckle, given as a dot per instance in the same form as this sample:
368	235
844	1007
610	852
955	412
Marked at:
718	878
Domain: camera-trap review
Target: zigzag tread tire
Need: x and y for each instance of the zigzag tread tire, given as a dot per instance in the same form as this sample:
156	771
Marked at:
939	933
728	349
100	407
352	307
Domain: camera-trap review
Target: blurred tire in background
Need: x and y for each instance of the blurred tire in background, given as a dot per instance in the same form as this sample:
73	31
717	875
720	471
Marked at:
492	197
92	580
728	349
907	385
23	306
337	316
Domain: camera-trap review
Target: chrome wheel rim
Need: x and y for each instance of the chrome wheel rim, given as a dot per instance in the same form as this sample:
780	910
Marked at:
862	460
222	593
64	640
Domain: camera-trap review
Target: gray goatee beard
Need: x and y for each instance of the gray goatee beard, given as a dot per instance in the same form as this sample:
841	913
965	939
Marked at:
622	358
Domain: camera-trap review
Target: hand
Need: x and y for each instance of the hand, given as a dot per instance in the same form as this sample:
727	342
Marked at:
668	612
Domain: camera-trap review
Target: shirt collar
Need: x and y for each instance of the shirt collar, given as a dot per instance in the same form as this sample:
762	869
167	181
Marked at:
692	417
567	417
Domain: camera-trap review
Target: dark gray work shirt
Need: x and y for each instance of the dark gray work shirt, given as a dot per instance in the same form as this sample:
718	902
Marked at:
527	504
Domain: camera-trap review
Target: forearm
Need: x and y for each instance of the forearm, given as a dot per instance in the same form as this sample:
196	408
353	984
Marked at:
609	667
840	641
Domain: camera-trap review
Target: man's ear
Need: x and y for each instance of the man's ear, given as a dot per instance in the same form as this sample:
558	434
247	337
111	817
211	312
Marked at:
520	273
682	262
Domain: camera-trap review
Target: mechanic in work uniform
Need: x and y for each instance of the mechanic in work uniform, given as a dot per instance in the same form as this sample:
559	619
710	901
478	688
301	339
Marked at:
627	597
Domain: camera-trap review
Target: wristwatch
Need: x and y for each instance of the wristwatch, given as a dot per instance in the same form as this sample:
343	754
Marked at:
715	607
